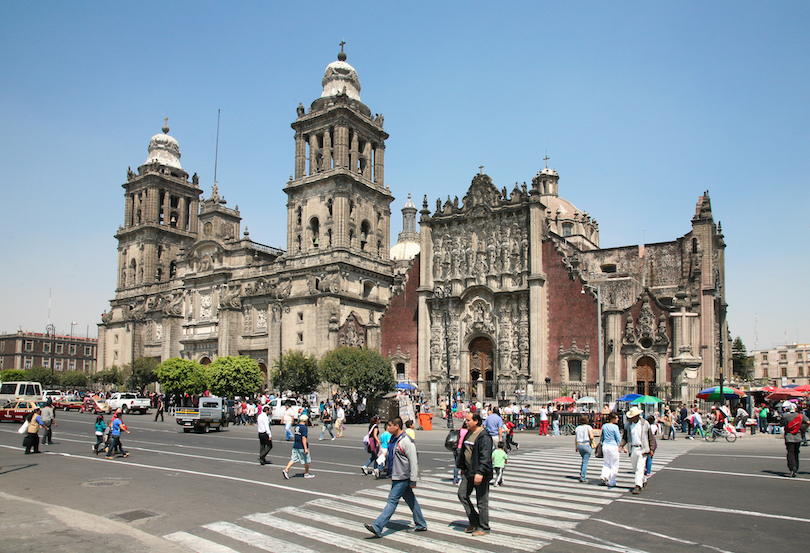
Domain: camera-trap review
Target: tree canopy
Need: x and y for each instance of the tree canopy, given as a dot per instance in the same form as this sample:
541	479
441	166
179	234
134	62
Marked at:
363	370
740	360
140	373
300	373
13	375
178	376
74	379
109	376
45	376
234	376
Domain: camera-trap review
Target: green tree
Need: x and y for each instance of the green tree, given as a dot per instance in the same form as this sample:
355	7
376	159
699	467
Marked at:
300	373
13	375
74	379
363	370
742	363
111	376
234	376
179	376
140	373
46	377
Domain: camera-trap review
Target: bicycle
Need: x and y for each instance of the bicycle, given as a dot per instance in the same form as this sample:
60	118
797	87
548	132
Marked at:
567	429
711	435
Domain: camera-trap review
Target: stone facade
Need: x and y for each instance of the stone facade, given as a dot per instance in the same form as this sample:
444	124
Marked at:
190	286
496	292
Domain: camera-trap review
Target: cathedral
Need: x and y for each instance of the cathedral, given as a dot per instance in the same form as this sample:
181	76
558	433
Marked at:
502	293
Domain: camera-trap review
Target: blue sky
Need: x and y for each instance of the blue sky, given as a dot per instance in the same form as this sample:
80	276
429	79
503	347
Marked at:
641	106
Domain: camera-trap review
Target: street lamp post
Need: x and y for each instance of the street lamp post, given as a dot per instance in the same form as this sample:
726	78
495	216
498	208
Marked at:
444	293
279	308
50	331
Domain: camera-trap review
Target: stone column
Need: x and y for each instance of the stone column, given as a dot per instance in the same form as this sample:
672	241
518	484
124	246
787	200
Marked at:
182	217
300	155
353	151
128	221
369	161
313	154
340	216
341	146
193	216
166	208
327	150
379	155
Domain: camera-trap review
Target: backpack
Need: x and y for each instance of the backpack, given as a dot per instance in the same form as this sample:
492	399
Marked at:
451	441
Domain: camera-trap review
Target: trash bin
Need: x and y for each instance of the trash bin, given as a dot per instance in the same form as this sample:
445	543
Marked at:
425	419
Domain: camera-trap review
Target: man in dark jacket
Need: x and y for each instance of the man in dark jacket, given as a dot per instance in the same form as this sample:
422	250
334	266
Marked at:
475	463
794	423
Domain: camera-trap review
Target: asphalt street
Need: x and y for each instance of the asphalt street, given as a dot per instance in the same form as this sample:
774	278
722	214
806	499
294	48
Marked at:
207	492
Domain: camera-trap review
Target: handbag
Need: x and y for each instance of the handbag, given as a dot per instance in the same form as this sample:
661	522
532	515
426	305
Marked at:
599	453
24	428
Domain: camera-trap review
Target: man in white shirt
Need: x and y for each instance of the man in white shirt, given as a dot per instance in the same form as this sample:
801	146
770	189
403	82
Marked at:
637	438
265	436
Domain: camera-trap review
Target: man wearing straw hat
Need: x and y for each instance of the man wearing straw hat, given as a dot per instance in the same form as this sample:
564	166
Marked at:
636	441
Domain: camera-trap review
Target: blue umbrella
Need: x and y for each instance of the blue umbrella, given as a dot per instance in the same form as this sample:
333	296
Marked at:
404	386
629	397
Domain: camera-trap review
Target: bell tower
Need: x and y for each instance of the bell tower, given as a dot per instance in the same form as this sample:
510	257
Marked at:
160	216
338	201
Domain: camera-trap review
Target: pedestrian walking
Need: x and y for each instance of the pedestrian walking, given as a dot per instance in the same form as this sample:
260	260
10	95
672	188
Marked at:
326	421
159	408
409	430
340	418
48	417
475	463
265	435
653	447
380	463
99	430
300	450
31	439
555	421
118	426
457	452
583	444
611	437
403	461
493	424
372	442
636	441
499	460
287	419
795	424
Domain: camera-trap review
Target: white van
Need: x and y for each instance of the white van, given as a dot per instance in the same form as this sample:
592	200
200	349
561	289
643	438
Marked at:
20	391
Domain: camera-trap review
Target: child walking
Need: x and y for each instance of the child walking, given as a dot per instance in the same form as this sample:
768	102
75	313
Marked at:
499	459
99	429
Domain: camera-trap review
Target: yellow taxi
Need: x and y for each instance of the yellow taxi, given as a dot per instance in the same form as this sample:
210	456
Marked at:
18	410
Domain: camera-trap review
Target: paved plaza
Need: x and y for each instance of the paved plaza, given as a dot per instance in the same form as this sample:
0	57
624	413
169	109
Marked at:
207	493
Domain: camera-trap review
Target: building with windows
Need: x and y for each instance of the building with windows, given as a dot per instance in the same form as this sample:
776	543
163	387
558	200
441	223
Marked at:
493	294
24	350
788	364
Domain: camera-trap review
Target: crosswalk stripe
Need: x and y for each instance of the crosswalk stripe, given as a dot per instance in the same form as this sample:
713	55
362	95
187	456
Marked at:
366	545
422	540
256	539
198	544
494	539
539	493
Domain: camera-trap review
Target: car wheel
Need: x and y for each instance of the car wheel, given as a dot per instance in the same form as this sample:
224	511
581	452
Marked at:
187	430
65	409
125	409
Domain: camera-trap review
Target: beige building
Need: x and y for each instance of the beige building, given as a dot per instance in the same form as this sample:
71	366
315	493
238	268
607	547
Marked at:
788	364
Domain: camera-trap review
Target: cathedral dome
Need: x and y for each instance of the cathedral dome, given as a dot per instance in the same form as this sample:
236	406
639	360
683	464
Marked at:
404	251
558	206
338	76
164	150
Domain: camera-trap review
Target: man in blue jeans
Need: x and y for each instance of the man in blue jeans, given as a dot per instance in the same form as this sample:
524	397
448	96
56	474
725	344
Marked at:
404	470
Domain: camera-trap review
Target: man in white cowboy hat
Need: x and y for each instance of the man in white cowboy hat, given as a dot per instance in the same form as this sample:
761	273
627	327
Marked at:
636	441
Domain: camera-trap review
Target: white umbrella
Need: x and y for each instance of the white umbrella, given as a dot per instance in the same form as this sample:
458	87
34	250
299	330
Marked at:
587	399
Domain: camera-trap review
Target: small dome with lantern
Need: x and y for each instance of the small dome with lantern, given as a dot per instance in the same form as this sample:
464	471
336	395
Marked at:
340	77
164	149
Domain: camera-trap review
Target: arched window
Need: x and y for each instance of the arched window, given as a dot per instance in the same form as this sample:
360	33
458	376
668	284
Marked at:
158	274
365	228
133	272
329	205
329	234
567	229
315	228
298	243
351	237
173	218
172	269
298	214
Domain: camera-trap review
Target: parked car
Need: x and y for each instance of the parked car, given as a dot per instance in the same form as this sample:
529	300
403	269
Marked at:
212	413
53	395
94	405
18	410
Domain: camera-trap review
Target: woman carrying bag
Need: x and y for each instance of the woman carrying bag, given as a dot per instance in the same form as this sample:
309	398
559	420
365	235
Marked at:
32	435
584	445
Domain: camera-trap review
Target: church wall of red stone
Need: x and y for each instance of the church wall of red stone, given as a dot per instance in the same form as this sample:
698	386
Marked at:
399	324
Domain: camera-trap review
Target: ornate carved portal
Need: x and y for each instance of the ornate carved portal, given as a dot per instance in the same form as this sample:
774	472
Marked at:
645	376
481	365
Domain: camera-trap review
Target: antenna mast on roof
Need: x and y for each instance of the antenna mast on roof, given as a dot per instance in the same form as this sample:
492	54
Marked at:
216	151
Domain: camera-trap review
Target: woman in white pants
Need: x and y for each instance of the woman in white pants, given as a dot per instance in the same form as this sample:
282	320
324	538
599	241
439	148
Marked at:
611	437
